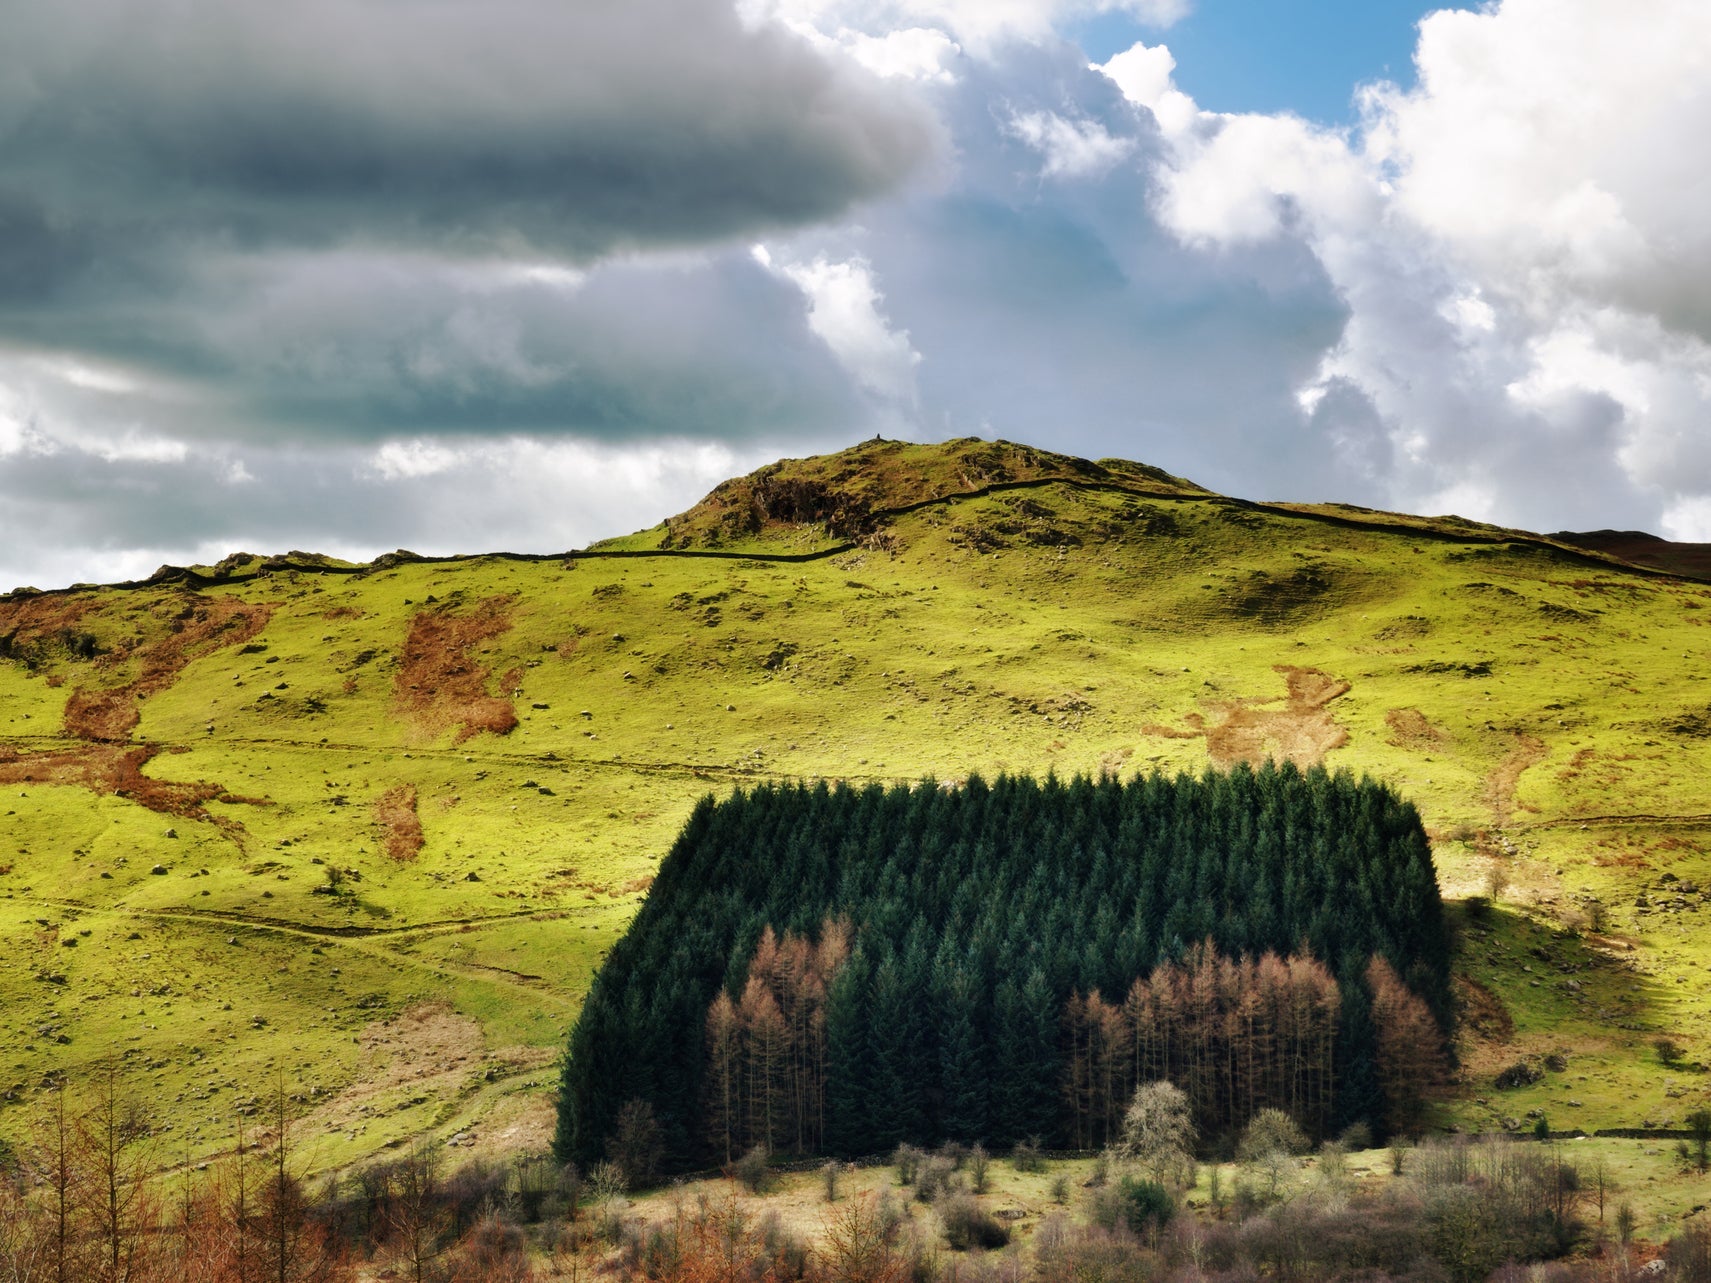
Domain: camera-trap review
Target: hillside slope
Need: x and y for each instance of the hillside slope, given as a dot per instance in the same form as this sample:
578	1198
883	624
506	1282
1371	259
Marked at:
373	827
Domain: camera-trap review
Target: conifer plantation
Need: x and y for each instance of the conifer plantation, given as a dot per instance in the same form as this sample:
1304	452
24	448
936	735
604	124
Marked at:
839	970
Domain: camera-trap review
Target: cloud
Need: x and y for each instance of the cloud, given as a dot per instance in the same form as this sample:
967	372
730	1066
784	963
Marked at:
363	282
983	25
476	130
844	311
1071	148
1524	246
102	519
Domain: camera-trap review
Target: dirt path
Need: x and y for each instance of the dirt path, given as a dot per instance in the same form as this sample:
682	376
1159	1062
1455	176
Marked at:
1500	784
367	944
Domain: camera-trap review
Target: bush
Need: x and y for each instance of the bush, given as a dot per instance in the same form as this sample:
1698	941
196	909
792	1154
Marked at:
979	1168
968	1224
1026	1156
1522	1073
829	1175
1146	1206
938	1175
907	1160
1669	1051
1355	1137
752	1170
1271	1130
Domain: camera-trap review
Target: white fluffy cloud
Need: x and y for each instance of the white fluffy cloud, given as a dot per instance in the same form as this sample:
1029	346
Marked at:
1070	148
981	24
844	312
1523	242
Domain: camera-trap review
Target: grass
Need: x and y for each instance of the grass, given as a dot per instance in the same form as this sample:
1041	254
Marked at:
1544	712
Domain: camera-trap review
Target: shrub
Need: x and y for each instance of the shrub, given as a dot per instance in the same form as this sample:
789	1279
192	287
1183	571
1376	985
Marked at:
1356	1137
979	1166
1669	1050
1026	1156
1690	1254
1146	1206
907	1160
938	1175
968	1224
752	1170
1268	1131
1695	1152
829	1176
1522	1073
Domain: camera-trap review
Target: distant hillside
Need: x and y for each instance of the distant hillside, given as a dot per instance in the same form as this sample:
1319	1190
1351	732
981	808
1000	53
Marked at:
374	827
1690	560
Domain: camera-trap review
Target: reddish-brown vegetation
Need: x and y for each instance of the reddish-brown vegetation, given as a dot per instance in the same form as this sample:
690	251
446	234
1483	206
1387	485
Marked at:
204	624
400	827
766	1073
118	770
440	683
1237	1036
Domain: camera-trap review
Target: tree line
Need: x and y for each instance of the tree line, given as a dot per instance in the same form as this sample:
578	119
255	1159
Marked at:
841	969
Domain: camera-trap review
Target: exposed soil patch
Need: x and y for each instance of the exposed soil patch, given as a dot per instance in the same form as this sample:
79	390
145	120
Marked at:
400	828
1500	784
1410	729
440	682
205	624
1252	730
118	770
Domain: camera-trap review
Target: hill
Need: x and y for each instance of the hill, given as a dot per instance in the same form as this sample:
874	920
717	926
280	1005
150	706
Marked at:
373	827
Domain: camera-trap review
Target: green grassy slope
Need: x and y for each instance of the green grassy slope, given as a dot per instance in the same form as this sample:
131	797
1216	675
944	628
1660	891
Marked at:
1548	711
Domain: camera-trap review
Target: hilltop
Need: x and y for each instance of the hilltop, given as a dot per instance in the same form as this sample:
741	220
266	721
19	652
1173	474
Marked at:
373	827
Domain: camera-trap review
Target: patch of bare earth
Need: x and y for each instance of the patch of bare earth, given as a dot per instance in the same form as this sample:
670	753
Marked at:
440	682
1500	784
204	625
400	827
1302	730
1409	728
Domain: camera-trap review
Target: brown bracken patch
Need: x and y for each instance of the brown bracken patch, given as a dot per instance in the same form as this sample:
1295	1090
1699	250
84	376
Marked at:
204	625
1410	729
118	770
1252	730
440	684
1481	1013
400	828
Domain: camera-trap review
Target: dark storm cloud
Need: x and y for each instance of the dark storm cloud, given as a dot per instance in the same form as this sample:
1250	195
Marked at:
362	347
510	127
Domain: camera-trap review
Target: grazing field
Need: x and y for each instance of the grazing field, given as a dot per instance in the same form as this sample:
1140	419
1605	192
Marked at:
371	829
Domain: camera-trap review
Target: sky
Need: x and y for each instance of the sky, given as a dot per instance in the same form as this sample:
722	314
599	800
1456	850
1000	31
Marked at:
353	275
